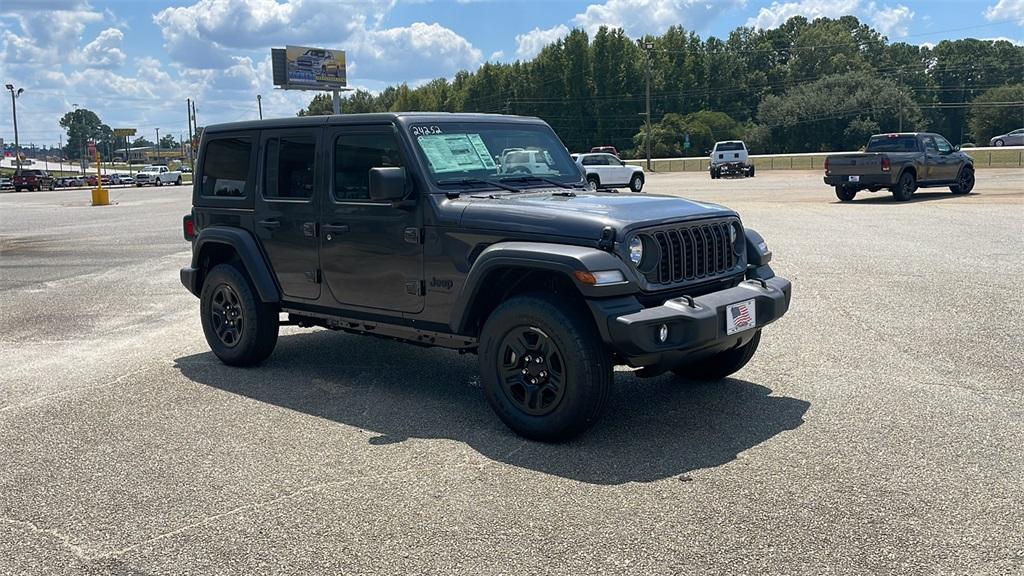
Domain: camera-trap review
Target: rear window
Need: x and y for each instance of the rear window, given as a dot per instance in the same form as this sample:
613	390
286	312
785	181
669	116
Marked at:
729	146
892	144
226	167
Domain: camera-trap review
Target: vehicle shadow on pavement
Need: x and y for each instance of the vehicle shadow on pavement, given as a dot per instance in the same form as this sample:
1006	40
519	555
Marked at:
886	198
653	428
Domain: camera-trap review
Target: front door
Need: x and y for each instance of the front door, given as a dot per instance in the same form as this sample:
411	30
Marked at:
949	166
370	252
287	211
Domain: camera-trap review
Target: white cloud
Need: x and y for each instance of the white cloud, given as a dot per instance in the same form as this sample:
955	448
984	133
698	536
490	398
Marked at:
530	44
47	29
496	56
893	22
1006	10
419	50
104	51
639	17
777	13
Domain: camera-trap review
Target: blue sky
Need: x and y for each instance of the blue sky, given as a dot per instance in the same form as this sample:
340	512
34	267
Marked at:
134	62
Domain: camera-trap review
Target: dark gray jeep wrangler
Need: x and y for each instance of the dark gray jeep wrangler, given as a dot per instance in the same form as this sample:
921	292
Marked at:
409	226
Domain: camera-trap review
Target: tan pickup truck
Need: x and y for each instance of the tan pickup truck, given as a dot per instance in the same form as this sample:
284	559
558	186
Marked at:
901	163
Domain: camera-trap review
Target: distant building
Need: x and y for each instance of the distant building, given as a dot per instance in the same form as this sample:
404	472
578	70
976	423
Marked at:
136	153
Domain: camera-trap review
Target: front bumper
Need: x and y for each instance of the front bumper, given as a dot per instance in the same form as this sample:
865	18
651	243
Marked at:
696	327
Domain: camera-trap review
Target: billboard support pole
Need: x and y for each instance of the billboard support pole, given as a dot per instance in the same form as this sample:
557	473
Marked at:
336	99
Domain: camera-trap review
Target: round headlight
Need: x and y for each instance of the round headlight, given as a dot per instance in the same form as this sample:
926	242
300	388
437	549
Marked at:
736	237
636	250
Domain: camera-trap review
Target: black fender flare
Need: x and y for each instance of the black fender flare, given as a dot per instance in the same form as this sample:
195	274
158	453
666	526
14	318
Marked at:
560	258
252	259
758	253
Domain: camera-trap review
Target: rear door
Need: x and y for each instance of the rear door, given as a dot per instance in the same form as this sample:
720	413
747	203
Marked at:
287	209
371	252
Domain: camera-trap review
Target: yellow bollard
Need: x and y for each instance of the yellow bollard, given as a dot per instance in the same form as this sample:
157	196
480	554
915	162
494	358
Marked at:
100	196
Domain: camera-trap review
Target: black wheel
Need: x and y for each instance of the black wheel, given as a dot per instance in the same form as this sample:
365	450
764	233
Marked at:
545	372
158	182
905	188
845	194
722	364
178	181
240	328
714	174
17	188
636	183
999	142
138	185
751	172
964	181
593	182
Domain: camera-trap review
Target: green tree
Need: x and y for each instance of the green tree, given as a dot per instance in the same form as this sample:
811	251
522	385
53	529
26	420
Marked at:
82	126
989	118
833	112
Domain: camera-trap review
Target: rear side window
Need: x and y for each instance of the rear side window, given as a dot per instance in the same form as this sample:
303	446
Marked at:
289	168
892	144
354	155
226	167
729	146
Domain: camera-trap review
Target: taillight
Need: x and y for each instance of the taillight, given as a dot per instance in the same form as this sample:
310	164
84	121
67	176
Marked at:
189	226
826	164
886	164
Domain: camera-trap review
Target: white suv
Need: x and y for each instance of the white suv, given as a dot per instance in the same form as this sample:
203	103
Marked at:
607	171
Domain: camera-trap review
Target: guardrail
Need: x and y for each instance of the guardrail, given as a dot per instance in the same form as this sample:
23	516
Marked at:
988	157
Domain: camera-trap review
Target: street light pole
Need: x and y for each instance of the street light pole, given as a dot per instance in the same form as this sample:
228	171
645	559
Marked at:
14	108
158	145
259	102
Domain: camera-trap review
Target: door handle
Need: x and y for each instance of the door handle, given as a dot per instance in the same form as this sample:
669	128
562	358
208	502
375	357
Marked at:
270	223
335	228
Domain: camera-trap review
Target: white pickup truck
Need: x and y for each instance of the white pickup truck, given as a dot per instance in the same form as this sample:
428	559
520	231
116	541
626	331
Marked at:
157	176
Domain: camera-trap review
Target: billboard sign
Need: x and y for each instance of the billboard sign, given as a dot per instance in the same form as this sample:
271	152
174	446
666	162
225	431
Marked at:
122	132
306	68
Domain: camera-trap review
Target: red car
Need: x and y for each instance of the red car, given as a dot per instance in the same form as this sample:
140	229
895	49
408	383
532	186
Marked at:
605	150
33	180
91	180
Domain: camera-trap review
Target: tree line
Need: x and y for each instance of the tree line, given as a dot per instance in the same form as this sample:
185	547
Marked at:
806	86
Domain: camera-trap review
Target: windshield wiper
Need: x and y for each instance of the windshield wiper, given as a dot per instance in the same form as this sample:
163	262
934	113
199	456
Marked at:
477	181
528	177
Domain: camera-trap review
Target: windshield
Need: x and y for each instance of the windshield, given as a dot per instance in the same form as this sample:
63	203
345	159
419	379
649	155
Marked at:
499	151
892	144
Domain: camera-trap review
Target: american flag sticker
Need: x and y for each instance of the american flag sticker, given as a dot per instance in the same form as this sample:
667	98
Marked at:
739	317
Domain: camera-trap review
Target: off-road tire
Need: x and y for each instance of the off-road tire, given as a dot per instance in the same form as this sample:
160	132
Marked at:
636	183
905	187
585	366
594	182
964	181
750	172
714	174
257	336
845	194
720	365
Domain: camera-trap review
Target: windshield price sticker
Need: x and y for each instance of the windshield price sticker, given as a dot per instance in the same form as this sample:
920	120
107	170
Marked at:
455	152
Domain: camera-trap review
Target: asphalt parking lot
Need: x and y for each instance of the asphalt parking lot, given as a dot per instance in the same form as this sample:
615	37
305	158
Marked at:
878	430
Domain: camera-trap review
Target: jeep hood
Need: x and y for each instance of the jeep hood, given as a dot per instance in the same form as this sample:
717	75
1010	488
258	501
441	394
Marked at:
582	215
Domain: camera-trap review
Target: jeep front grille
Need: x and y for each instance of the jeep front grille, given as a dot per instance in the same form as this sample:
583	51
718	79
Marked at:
694	252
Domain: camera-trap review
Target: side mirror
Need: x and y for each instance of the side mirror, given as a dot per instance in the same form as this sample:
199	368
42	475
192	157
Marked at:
387	184
707	152
956	148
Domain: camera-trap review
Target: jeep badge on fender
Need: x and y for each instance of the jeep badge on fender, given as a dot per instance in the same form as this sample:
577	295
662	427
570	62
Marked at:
410	226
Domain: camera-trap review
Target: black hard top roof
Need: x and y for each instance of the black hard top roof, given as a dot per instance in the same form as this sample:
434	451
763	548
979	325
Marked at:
374	118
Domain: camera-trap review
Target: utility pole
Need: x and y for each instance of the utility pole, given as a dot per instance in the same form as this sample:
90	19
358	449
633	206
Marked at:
158	145
648	46
259	103
899	96
14	108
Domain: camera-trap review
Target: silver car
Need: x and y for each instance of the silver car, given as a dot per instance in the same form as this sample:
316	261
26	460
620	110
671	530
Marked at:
1014	138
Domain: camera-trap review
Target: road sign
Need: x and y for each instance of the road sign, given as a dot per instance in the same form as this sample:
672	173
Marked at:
122	132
